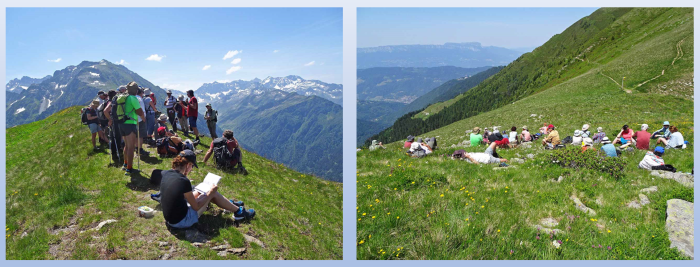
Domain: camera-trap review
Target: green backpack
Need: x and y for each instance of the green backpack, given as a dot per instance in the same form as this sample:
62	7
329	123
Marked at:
122	117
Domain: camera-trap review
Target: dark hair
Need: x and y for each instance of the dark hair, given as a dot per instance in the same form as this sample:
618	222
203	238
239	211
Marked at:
190	92
513	129
658	154
111	93
625	127
228	134
179	162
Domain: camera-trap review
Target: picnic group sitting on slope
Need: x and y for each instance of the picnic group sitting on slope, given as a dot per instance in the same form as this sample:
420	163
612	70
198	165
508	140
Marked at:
128	117
668	137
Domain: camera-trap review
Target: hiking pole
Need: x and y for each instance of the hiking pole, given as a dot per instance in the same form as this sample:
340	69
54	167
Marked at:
116	145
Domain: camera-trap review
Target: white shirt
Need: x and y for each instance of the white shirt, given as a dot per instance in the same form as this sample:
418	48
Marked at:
576	140
676	139
426	149
171	102
650	160
483	158
143	108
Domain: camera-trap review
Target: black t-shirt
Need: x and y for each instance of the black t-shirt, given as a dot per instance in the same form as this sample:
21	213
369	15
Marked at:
92	112
173	187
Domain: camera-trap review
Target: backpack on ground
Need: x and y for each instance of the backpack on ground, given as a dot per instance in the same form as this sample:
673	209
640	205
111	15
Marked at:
222	155
567	140
83	116
164	145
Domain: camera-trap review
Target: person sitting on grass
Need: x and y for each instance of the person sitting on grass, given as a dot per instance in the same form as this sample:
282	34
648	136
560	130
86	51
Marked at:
409	141
585	133
416	151
376	145
525	135
231	144
663	132
578	139
609	149
544	129
475	138
502	141
641	138
552	138
624	136
182	205
513	135
675	140
484	158
94	125
587	144
487	134
654	161
597	137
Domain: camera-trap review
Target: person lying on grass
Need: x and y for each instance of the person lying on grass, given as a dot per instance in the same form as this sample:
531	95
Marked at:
654	161
484	158
409	141
675	140
182	205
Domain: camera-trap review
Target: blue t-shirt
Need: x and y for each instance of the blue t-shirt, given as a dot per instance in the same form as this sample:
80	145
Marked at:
609	150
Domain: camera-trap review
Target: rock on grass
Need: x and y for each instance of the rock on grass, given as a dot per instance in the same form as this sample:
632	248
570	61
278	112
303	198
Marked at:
679	225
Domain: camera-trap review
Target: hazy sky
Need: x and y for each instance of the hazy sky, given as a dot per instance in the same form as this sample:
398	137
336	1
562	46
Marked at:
179	48
504	27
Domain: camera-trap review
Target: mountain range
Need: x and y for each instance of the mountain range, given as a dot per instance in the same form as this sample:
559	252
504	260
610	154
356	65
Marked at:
467	55
19	85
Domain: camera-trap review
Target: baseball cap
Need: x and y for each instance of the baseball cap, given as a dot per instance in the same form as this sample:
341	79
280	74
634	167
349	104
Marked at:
666	123
645	126
163	117
208	105
550	126
659	149
189	156
161	131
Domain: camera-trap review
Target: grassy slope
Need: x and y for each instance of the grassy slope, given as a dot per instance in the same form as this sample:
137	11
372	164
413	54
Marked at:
428	217
54	181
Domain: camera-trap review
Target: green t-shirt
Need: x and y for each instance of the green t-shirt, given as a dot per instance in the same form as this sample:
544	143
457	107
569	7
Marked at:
130	107
475	139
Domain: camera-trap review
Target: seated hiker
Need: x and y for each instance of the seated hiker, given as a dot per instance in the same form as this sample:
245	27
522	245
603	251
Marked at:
417	151
585	133
597	137
513	135
663	132
525	135
169	145
484	158
675	140
543	129
182	205
424	146
641	138
501	141
654	161
577	139
227	153
487	133
93	124
552	138
587	144
475	138
162	119
376	145
609	149
624	136
409	141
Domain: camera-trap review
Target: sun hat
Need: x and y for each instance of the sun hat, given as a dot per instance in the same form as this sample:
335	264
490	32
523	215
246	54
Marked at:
414	147
95	103
189	156
605	140
132	88
577	133
208	105
585	127
122	88
410	138
600	129
476	129
659	149
644	127
587	141
525	127
147	92
163	117
666	123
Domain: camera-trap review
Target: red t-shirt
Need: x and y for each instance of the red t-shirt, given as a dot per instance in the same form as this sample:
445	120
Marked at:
642	138
407	144
502	143
191	111
627	134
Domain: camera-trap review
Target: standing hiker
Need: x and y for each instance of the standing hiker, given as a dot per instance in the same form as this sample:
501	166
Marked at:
94	124
150	113
192	108
211	116
115	138
170	109
182	114
128	110
142	133
227	153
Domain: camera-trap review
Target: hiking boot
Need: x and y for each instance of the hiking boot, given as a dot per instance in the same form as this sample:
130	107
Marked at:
129	171
237	203
156	197
243	215
503	164
94	148
144	152
124	167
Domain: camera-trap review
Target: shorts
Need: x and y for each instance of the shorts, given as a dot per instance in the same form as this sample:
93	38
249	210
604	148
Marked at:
94	127
192	121
623	140
142	129
127	129
190	219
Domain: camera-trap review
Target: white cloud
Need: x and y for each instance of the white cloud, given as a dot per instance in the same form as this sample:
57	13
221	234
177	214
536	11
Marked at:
206	67
55	60
236	61
155	57
275	51
231	54
122	62
310	63
233	69
171	86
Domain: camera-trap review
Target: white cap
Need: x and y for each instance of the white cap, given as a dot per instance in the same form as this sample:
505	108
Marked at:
644	127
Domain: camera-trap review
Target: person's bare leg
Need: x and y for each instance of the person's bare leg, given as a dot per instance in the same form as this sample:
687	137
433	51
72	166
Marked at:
93	139
663	140
221	201
202	200
129	149
196	132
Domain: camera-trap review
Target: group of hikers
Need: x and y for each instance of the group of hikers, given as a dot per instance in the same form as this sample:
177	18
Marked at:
668	137
126	118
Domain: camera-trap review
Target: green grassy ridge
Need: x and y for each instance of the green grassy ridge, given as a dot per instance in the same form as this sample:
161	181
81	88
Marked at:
54	181
599	39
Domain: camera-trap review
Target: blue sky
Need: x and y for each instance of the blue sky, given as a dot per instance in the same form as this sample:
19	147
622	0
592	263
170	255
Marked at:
504	27
266	42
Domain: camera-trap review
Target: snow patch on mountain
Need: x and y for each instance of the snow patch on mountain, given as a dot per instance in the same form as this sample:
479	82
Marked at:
94	74
16	101
19	110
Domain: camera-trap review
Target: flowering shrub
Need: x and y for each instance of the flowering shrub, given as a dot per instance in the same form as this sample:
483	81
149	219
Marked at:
573	157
